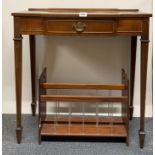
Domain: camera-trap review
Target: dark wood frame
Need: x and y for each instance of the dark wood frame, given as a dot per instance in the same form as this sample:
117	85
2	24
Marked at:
125	22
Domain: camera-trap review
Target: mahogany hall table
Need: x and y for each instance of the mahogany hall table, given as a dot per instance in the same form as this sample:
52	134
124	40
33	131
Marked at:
81	22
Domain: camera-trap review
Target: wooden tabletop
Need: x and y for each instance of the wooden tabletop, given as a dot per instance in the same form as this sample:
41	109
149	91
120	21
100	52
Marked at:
88	12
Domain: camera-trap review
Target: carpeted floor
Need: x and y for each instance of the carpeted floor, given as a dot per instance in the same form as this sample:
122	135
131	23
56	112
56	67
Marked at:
29	145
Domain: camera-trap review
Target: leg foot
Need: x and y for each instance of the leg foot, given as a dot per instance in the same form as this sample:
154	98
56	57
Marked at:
33	107
141	138
39	134
19	134
127	141
131	112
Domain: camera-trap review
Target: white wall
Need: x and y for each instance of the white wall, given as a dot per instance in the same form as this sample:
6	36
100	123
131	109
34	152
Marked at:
86	59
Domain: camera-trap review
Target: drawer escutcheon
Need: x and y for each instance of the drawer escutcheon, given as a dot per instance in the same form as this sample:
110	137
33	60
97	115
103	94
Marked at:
79	26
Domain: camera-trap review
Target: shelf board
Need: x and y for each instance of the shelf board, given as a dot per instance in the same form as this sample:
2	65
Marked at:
83	130
83	86
79	98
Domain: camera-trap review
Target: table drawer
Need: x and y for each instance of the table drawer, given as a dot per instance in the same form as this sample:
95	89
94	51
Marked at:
80	26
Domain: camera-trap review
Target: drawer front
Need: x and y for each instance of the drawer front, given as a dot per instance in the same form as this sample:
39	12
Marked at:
80	26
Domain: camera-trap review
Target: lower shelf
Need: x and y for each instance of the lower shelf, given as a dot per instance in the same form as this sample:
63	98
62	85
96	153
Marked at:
83	130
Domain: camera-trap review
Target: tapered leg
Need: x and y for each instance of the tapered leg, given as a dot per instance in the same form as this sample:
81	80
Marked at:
144	59
18	78
132	71
33	72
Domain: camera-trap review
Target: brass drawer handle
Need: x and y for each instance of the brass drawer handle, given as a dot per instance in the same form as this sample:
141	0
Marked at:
79	27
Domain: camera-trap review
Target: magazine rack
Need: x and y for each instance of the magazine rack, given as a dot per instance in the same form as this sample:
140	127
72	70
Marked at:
107	125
